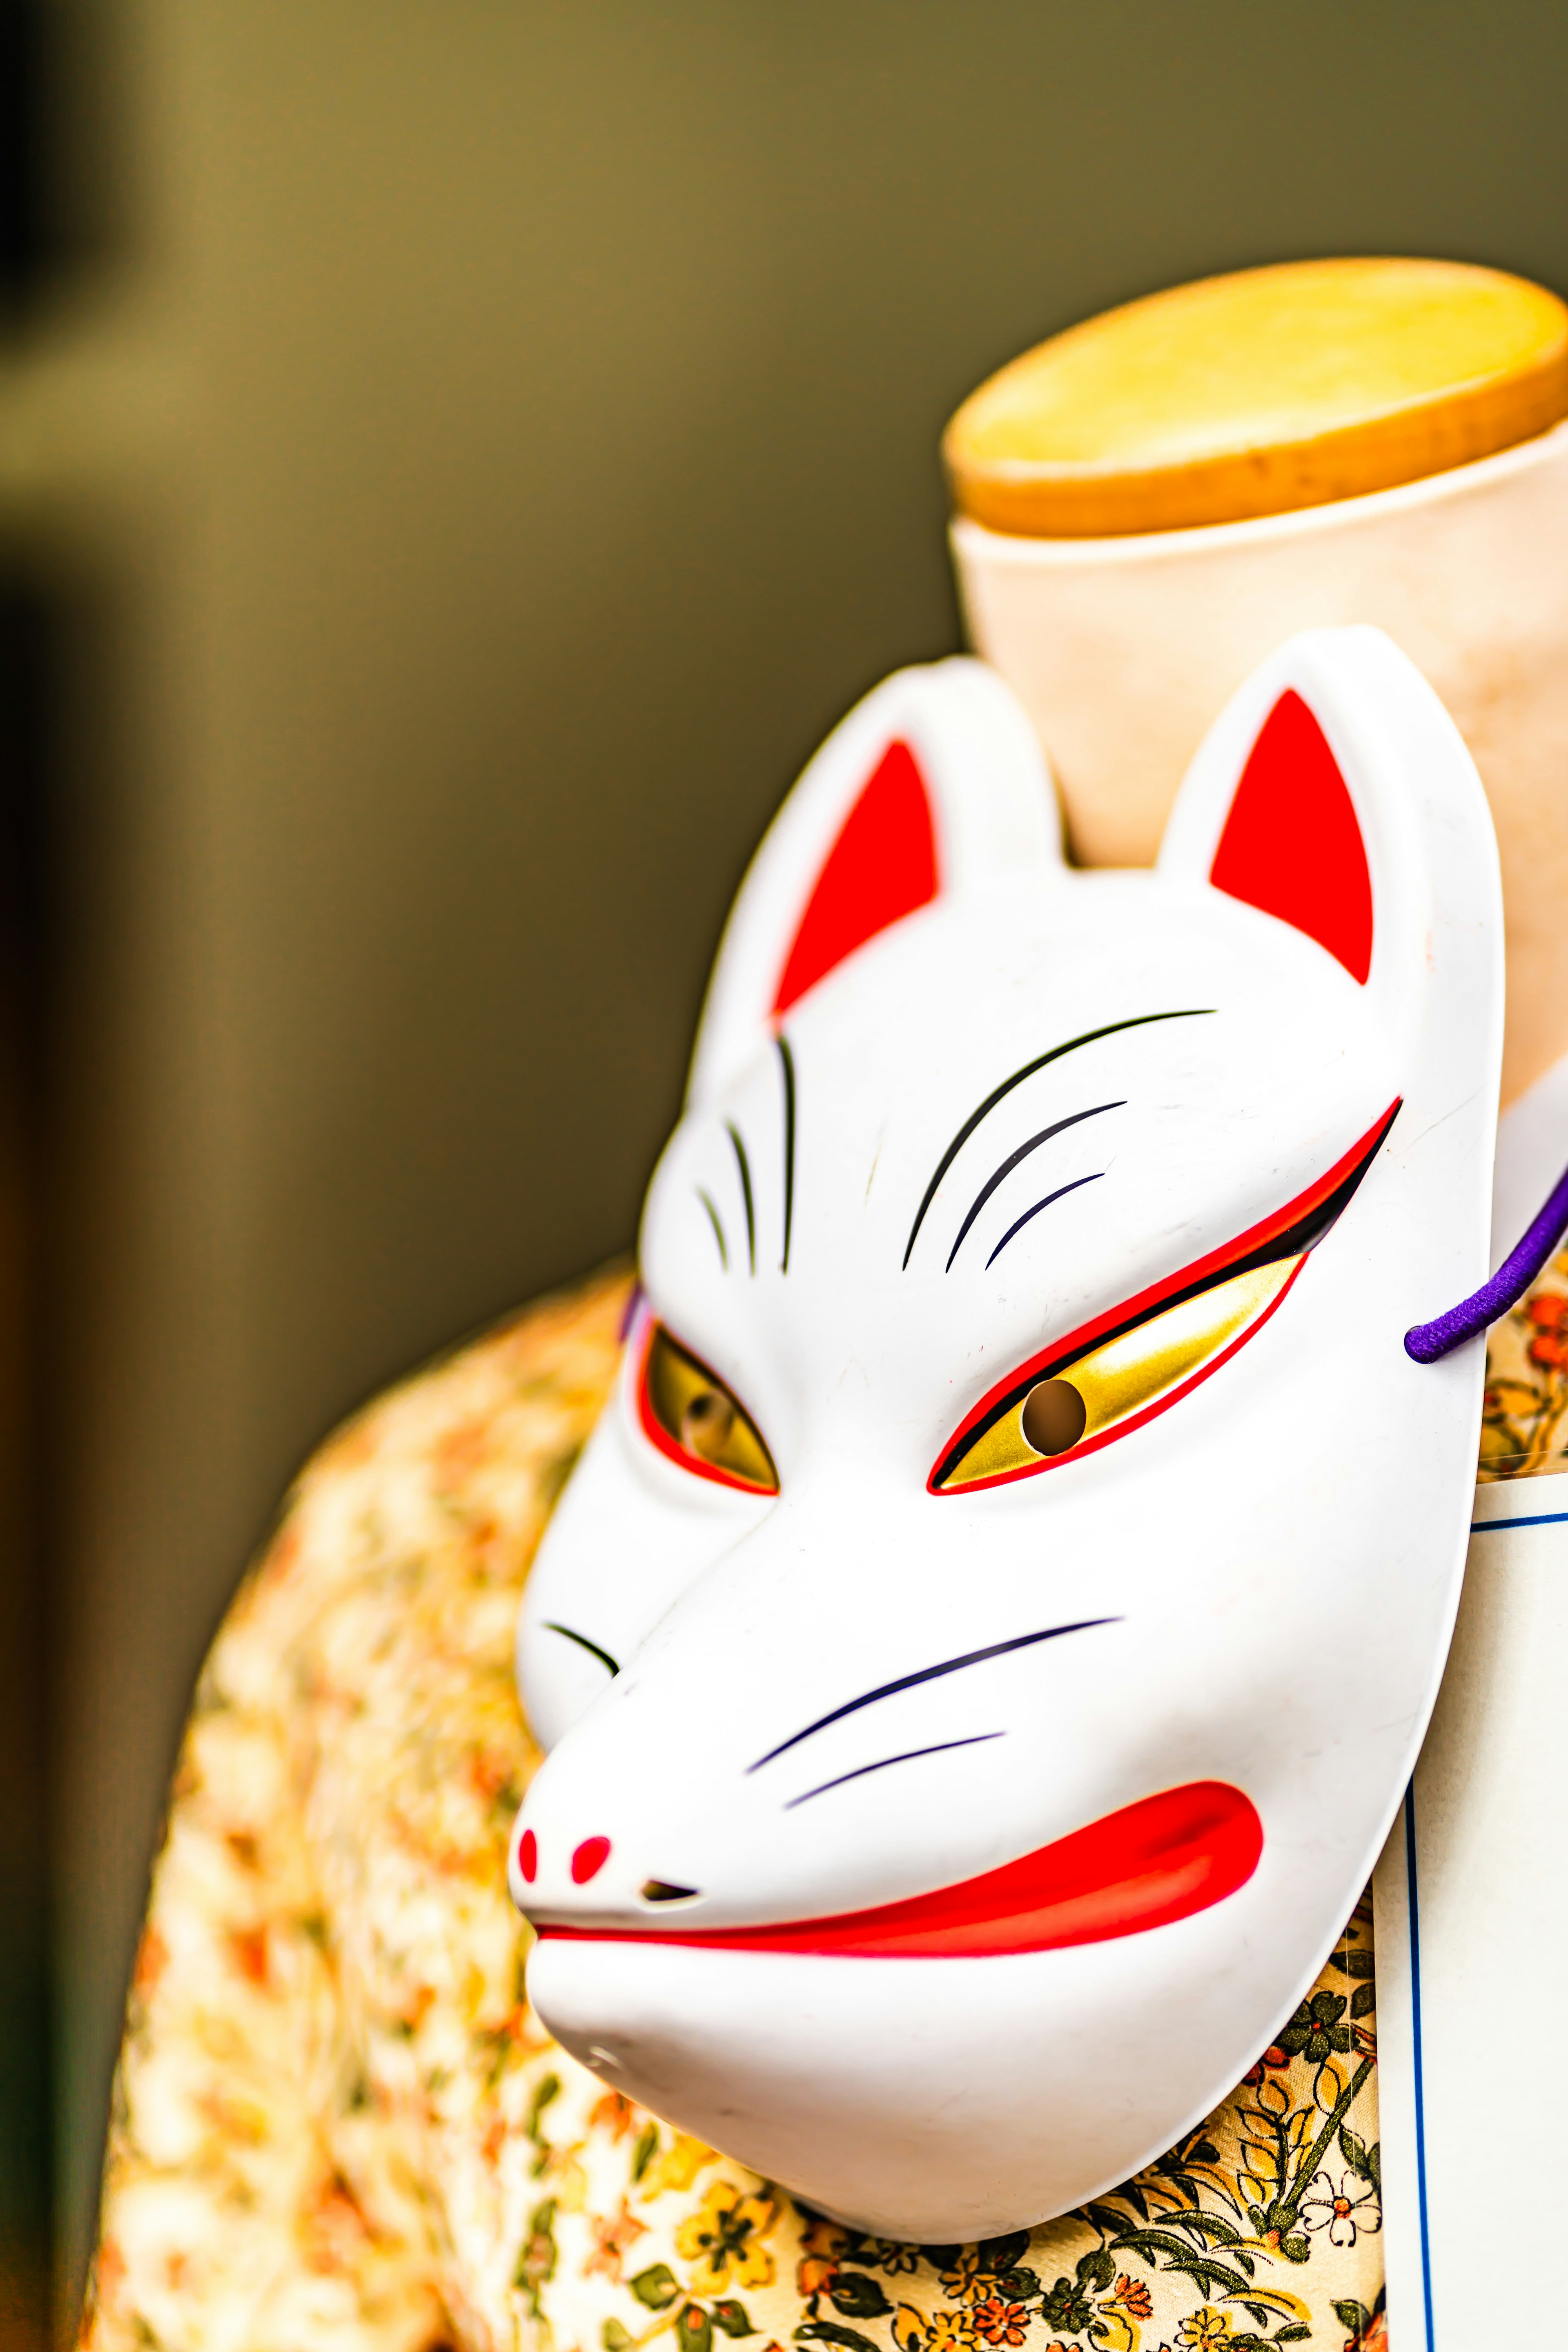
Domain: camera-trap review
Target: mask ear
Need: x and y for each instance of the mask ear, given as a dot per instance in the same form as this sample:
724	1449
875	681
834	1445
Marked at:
932	787
1317	797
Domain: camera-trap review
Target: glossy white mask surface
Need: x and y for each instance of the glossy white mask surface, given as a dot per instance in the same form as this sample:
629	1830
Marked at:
1170	1681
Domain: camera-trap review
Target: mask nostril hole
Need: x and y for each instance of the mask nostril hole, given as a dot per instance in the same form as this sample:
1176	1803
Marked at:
1053	1417
527	1856
660	1890
589	1860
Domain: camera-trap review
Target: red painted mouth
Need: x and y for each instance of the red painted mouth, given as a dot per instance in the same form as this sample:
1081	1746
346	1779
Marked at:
1152	1863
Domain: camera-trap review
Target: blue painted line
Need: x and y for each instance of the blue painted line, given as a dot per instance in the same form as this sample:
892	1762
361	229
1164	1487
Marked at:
1543	1519
1420	2086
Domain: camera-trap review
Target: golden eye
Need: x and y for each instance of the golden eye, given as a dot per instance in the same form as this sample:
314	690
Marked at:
693	1418
1109	1385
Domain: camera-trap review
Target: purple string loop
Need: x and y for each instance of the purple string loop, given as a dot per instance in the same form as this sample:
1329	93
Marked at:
1426	1343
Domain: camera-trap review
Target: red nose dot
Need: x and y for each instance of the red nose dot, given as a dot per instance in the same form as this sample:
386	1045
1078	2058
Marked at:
528	1856
589	1859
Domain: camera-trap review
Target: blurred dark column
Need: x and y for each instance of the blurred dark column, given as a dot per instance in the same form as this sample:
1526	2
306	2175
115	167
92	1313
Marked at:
22	231
26	2021
25	1921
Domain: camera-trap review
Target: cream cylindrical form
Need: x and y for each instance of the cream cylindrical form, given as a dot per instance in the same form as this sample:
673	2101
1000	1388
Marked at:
1124	649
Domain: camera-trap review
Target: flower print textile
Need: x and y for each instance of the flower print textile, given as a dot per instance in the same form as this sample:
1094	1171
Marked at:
722	2241
1342	2206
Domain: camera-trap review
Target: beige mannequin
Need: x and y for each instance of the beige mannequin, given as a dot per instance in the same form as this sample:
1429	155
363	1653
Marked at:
1124	647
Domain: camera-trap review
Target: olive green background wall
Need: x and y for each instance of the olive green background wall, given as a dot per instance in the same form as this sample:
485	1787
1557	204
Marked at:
473	448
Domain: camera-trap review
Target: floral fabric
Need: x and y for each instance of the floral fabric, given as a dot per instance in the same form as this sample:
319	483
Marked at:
1524	1426
337	2126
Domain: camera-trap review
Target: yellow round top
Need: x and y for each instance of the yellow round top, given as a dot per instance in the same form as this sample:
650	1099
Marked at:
1257	393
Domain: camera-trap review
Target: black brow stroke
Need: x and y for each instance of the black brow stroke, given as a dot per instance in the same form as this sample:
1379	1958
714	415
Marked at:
1008	1165
786	1069
745	1165
929	1674
706	1201
1060	1193
1089	1037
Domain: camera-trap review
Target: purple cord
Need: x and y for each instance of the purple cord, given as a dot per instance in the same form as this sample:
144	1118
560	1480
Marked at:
1429	1341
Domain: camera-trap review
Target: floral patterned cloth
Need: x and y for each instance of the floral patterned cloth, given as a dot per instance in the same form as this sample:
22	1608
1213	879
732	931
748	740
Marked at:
1524	1426
337	2126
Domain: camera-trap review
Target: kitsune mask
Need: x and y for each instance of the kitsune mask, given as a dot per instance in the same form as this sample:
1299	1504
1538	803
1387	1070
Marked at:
986	1638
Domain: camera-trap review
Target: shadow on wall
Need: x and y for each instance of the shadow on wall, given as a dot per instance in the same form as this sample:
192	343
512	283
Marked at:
473	454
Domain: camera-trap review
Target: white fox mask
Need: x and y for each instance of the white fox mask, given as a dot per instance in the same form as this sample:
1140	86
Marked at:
985	1640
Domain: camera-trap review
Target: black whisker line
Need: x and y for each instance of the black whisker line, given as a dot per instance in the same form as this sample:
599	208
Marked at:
786	1063
583	1643
717	1228
1035	1211
745	1165
1008	1165
1090	1037
929	1675
908	1756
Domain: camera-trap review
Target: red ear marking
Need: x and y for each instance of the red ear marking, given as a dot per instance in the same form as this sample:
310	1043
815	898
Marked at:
1292	844
881	869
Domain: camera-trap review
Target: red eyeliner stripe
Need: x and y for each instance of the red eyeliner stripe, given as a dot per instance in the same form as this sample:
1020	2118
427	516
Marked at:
653	1429
659	1436
1129	1310
1120	1428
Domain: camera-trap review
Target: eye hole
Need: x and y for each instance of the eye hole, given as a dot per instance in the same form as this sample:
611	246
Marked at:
1108	1388
1053	1416
708	1424
693	1419
1105	1382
